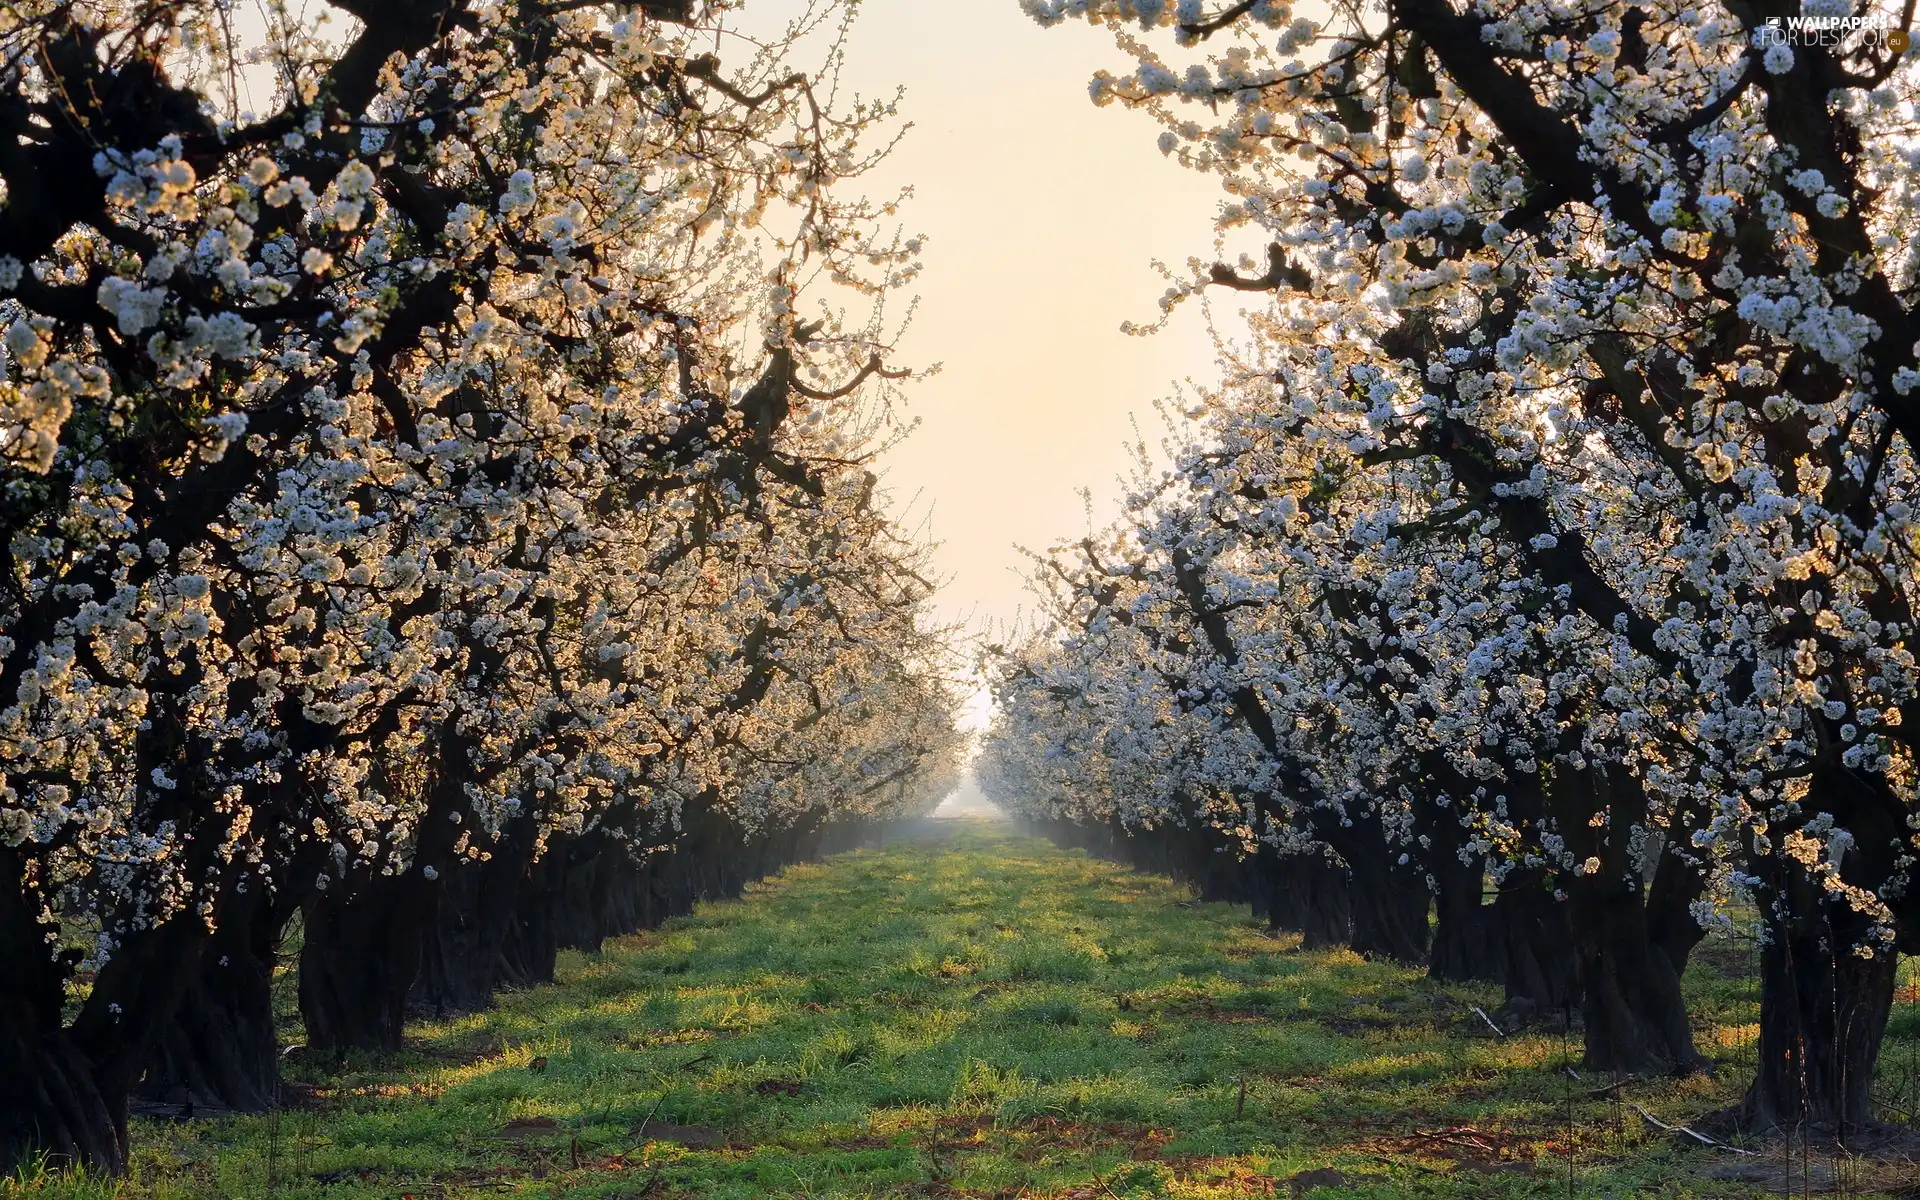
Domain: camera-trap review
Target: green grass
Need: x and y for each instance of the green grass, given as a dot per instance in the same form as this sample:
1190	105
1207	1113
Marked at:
976	1014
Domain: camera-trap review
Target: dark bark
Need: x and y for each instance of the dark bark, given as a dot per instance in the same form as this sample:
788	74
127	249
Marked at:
461	960
1823	1013
52	1105
1636	1018
64	1085
1389	899
1467	938
531	949
1541	976
218	1052
366	936
1826	988
1277	898
1677	883
50	1102
1222	878
1320	900
1468	942
359	960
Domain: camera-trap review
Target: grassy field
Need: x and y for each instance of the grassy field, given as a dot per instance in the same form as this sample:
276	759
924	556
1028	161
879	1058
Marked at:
979	1014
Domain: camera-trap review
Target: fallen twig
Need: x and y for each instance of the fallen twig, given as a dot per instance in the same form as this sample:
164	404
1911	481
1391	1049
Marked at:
1615	1086
1695	1134
639	1131
1459	1136
1489	1021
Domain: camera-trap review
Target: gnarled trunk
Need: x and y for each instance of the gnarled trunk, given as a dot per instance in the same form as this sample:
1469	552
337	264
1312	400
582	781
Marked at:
218	1053
366	937
64	1085
1677	883
1823	1012
360	959
460	966
1467	938
1636	1017
53	1106
1389	898
1541	974
531	950
1321	900
1467	941
1270	875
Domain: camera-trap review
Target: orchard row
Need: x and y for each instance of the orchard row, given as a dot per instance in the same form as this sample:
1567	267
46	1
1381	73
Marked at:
436	511
1554	527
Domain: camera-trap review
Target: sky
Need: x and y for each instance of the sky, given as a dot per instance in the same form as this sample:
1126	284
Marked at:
1043	216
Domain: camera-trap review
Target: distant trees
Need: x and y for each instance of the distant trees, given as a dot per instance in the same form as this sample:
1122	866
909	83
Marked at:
427	511
1558	521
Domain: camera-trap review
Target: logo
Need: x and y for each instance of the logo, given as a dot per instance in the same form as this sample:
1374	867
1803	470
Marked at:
1834	33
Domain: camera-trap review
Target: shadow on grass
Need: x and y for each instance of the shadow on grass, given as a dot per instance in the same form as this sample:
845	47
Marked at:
968	1012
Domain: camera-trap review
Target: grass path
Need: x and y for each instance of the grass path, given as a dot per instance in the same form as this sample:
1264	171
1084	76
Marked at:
970	1014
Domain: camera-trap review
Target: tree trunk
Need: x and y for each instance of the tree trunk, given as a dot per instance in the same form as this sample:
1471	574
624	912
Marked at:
1541	978
1677	883
1321	900
531	950
1467	941
359	962
51	1103
1390	915
366	938
1823	1012
1389	899
1270	871
460	967
52	1106
1636	1017
219	1052
64	1085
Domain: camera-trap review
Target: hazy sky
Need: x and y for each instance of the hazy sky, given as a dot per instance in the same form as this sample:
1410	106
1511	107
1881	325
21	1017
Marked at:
1043	216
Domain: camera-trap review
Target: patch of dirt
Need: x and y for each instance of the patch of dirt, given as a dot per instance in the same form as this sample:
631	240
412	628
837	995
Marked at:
522	1128
778	1087
1484	1150
1321	1177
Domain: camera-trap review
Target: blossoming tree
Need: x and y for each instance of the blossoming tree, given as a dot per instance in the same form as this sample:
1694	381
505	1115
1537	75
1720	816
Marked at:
1610	308
432	461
